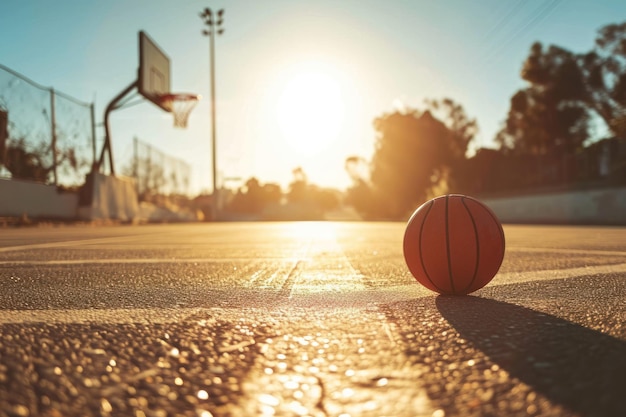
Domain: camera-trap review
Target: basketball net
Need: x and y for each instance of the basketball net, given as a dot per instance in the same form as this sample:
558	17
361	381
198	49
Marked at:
181	106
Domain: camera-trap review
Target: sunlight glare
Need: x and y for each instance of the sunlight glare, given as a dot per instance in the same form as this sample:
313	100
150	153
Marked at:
312	230
310	111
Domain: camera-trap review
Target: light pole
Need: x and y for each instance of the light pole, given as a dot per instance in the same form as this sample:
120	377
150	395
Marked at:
214	28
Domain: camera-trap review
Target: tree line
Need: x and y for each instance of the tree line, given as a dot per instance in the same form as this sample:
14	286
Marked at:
421	153
545	138
302	201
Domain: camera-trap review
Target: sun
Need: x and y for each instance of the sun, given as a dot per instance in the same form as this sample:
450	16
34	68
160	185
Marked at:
310	112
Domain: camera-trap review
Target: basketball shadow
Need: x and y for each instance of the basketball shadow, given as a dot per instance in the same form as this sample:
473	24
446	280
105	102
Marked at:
579	368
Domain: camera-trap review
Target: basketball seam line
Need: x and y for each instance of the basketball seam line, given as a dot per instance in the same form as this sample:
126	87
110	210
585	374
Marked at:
495	219
477	245
420	246
448	246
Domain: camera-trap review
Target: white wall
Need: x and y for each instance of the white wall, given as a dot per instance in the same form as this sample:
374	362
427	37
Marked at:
601	206
113	198
36	200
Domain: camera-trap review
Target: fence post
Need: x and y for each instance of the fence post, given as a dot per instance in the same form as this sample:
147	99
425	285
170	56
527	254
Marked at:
53	144
4	133
149	171
93	135
136	163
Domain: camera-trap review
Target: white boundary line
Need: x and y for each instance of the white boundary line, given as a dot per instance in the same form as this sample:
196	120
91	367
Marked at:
106	316
527	276
81	242
358	299
568	251
57	262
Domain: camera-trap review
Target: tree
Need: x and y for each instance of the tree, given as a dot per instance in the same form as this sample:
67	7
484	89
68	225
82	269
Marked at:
254	197
272	194
312	200
553	114
408	157
548	123
298	188
30	162
604	70
461	130
549	117
414	151
360	195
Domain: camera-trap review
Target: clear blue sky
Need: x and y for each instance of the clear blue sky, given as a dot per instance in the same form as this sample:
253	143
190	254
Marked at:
370	56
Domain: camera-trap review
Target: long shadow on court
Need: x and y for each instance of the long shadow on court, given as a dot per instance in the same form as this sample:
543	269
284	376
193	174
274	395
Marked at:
582	369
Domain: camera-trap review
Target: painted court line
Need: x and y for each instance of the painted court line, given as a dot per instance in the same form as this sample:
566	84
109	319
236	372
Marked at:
57	262
80	242
358	297
527	276
103	316
568	251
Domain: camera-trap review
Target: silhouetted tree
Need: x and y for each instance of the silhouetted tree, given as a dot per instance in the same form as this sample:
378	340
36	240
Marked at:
462	129
314	201
604	71
408	158
549	117
298	188
360	195
325	199
254	197
272	194
414	151
552	115
30	162
461	132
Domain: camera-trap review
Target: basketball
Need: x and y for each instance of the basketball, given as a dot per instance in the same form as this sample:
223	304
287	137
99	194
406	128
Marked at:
453	244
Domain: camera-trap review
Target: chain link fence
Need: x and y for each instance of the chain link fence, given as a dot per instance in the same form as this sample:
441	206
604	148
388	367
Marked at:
156	173
45	135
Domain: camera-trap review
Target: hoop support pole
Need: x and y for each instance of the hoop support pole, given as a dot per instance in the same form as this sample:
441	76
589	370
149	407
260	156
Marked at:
106	147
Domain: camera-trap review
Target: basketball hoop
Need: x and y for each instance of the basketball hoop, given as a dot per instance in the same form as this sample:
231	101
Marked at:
181	105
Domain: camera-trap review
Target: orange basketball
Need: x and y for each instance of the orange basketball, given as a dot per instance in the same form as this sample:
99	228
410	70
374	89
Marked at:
453	244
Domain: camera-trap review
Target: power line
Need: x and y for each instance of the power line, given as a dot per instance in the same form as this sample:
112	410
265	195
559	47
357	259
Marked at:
535	18
503	22
505	36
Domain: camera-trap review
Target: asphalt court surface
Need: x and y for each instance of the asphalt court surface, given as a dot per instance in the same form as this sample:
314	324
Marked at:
312	318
